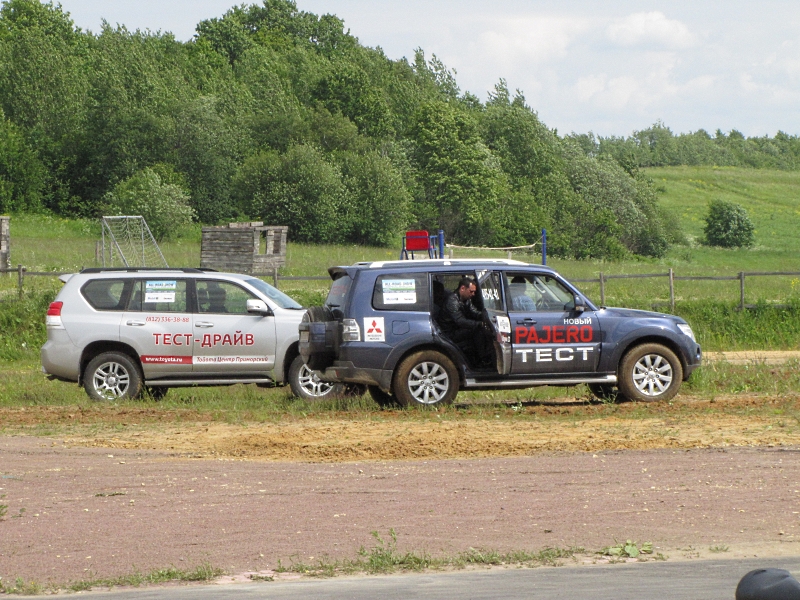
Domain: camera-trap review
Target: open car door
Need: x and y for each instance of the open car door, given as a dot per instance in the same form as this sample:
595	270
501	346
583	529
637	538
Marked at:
495	316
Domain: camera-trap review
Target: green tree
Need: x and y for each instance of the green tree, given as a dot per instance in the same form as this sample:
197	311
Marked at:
165	206
377	205
299	189
728	225
22	174
459	176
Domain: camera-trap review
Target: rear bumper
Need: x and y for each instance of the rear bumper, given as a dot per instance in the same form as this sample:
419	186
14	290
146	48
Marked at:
61	358
347	372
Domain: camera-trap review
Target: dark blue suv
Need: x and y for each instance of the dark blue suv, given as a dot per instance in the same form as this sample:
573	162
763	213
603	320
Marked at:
382	326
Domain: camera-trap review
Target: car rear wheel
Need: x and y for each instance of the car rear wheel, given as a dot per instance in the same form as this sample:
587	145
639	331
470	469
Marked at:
306	383
426	378
112	376
650	372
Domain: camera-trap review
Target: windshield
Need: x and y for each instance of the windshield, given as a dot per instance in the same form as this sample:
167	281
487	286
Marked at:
277	296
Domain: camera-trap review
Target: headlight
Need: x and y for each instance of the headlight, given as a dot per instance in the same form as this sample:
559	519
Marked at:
686	330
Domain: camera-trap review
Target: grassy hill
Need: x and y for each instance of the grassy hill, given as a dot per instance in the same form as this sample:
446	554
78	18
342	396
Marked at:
772	199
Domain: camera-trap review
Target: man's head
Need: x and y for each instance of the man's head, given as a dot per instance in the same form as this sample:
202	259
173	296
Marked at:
466	288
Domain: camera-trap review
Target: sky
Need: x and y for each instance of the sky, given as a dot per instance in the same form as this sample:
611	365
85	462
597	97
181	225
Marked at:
609	67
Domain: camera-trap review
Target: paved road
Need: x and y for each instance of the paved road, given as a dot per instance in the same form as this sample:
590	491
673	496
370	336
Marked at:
706	580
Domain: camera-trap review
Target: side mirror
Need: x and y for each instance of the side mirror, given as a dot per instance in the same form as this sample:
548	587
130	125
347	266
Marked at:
580	305
258	307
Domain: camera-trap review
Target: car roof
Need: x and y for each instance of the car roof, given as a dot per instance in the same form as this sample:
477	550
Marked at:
134	272
442	264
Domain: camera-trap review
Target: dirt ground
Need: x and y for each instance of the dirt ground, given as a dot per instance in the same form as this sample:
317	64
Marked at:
134	493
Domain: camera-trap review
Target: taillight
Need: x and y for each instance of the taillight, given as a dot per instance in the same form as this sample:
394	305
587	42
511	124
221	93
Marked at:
53	318
351	332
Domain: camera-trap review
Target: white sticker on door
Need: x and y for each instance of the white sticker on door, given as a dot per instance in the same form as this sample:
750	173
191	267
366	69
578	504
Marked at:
374	330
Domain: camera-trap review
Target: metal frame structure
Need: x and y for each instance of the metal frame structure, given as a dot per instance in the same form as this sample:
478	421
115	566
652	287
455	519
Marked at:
146	241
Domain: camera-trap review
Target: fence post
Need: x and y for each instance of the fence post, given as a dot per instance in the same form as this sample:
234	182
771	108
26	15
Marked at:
451	253
97	247
602	290
275	277
20	277
508	255
741	290
671	290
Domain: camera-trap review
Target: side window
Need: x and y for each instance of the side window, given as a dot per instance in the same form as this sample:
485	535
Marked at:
222	297
489	284
401	291
159	295
530	292
107	294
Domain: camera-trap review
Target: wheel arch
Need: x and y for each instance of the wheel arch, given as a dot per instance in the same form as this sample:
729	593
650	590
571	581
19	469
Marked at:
95	348
649	339
448	352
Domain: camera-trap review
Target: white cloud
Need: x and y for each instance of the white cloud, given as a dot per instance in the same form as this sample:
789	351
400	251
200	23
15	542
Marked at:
647	28
532	39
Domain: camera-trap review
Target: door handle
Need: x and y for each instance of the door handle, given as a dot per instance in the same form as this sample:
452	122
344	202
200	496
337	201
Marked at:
526	321
203	324
135	323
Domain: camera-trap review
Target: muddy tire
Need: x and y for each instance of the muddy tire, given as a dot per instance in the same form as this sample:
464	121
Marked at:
112	376
649	373
426	378
307	385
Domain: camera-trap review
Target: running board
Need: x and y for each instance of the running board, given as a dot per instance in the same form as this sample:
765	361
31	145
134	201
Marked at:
472	383
192	382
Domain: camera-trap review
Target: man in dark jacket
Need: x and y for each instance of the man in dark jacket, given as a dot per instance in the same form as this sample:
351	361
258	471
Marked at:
462	322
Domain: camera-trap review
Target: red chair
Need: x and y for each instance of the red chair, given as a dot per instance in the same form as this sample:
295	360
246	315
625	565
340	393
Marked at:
416	241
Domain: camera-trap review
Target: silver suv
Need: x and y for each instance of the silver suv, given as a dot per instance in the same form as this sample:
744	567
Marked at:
127	332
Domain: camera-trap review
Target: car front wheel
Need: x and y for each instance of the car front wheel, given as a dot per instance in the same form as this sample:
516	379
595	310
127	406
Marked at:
650	372
112	376
426	378
306	383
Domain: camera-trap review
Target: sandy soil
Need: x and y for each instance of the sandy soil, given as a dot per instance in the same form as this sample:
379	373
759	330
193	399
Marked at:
112	492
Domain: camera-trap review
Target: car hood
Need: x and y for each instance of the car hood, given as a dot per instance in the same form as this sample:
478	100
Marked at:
632	313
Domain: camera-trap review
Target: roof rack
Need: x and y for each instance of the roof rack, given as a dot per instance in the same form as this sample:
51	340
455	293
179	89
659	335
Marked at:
139	269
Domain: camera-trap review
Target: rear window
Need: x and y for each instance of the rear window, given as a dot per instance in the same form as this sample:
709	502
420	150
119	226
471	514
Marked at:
401	291
338	293
107	294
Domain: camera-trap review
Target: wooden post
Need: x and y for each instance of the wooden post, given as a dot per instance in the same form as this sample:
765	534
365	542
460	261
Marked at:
20	277
508	255
741	290
275	277
450	250
602	290
97	248
671	290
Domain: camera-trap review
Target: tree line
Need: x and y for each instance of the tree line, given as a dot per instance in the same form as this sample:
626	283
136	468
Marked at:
272	113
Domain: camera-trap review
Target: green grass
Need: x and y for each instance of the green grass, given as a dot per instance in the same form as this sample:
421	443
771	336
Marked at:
201	573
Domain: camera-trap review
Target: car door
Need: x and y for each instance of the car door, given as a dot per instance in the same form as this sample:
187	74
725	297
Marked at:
228	339
548	335
158	325
490	284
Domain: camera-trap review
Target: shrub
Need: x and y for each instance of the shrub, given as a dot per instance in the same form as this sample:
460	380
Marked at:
728	226
165	206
